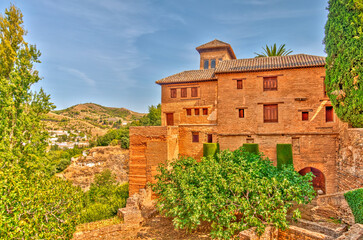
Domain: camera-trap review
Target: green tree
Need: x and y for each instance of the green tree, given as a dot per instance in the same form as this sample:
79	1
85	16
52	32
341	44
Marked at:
273	51
233	191
153	118
344	65
32	204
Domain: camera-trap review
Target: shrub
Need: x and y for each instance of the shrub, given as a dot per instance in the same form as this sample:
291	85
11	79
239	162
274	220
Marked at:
284	155
251	148
104	197
210	149
233	191
355	201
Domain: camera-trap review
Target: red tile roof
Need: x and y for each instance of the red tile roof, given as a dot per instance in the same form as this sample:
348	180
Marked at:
216	44
190	76
270	63
246	65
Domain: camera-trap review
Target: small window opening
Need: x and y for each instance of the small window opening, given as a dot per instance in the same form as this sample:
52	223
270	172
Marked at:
183	92
329	114
189	112
210	138
196	111
194	92
241	113
270	113
270	83
213	63
206	64
239	84
305	116
173	93
195	137
205	111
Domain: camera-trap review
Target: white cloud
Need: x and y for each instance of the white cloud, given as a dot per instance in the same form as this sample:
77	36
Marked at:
80	75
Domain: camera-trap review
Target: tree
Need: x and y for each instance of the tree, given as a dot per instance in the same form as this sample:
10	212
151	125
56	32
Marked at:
273	51
32	204
153	118
233	191
344	65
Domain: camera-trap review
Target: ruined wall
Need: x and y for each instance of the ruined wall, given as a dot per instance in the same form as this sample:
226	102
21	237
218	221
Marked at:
149	146
315	150
350	159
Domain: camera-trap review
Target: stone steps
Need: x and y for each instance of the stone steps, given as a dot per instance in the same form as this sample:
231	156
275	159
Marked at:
330	229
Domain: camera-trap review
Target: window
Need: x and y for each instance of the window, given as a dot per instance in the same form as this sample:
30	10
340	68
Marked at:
195	137
210	138
270	113
205	111
194	92
173	93
183	92
206	64
196	111
189	112
270	83
170	119
213	63
241	113
239	84
329	114
305	116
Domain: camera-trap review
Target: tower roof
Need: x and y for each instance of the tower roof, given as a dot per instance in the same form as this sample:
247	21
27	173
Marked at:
216	44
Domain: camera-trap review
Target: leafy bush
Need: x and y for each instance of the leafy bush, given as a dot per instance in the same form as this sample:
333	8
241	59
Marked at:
104	197
355	201
251	148
284	155
210	149
233	191
344	65
121	134
36	206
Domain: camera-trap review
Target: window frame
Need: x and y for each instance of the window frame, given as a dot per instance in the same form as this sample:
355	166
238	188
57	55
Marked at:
206	64
329	115
239	83
210	138
213	62
196	112
189	111
271	120
267	83
195	137
241	110
194	92
182	91
205	111
304	116
172	92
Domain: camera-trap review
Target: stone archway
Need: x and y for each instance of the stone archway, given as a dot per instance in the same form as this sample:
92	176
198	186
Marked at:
318	180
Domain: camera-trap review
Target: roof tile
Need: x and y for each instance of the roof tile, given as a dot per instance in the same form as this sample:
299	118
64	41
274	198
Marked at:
190	76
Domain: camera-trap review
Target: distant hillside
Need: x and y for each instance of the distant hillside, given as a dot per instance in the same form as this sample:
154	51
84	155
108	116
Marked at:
90	118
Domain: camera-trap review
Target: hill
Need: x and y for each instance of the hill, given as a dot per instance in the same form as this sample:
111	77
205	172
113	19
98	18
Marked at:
90	119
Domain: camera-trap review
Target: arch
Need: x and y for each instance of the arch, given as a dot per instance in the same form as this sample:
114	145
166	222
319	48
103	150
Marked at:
318	180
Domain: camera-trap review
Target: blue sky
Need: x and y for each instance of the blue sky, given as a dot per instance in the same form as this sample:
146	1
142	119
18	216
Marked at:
111	52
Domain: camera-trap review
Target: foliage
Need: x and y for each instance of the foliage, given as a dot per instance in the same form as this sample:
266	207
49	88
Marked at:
210	149
153	118
32	204
37	207
104	198
251	148
284	155
233	191
355	201
344	65
122	135
273	51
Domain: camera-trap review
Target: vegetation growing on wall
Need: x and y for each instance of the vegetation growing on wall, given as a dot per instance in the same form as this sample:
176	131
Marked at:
355	201
233	191
344	65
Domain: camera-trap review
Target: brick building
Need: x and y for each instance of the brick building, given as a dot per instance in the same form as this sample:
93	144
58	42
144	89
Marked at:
267	100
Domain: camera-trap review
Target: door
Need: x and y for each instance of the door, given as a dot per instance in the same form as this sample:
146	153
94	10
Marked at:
170	119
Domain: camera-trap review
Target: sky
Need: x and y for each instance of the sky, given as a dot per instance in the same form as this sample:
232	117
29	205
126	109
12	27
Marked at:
111	52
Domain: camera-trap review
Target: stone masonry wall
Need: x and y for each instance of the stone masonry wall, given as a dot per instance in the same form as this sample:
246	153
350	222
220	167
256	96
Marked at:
350	159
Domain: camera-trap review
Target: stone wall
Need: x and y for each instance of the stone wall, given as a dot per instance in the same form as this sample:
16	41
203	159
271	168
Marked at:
350	159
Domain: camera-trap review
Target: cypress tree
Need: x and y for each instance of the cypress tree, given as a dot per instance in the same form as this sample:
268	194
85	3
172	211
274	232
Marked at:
344	64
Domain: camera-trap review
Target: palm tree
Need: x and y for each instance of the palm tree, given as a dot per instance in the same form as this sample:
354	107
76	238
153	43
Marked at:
271	51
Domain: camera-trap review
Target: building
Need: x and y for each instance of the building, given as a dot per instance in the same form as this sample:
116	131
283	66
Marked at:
267	100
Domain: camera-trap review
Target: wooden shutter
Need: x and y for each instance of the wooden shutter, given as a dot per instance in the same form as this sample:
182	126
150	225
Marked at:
270	113
329	114
305	116
196	111
239	84
270	83
194	92
241	113
173	93
189	112
170	119
195	137
183	92
205	111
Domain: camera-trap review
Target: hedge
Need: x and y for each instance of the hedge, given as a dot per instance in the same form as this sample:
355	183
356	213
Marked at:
251	148
210	149
355	201
284	155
